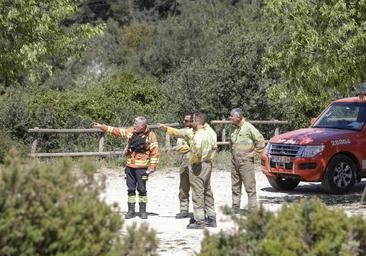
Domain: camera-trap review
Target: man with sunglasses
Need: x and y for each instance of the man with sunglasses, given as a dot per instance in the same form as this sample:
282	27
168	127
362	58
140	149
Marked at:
202	147
184	186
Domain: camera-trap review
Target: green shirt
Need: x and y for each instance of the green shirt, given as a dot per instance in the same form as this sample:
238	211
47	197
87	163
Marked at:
203	142
246	140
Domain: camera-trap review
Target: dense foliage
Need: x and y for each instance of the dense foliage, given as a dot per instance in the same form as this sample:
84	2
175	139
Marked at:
320	53
55	209
305	228
162	58
115	101
32	38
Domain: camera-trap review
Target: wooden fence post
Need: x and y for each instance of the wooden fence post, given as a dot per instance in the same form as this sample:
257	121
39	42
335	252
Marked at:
223	134
277	131
101	141
34	142
167	141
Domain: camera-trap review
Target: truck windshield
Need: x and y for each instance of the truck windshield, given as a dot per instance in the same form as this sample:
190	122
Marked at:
343	115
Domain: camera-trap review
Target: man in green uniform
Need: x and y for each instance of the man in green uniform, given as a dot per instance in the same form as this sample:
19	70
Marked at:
183	148
245	141
203	144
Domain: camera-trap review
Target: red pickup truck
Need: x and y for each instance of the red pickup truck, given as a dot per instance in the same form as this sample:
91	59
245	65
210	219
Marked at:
332	150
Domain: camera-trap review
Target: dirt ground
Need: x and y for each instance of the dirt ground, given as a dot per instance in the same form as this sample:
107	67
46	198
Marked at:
175	239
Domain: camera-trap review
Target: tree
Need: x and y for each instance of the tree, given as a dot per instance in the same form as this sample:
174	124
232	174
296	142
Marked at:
175	40
320	54
31	33
228	72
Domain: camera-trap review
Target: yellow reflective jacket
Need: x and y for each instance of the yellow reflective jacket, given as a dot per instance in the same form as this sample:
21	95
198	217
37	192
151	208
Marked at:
203	142
246	140
182	146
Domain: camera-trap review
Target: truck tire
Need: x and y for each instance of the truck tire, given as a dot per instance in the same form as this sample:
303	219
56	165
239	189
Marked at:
340	175
283	184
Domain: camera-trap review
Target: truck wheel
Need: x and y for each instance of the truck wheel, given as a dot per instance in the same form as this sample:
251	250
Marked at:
283	184
340	175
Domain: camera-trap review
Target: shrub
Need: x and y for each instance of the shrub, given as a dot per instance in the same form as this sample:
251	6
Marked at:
305	228
7	143
140	240
115	101
55	209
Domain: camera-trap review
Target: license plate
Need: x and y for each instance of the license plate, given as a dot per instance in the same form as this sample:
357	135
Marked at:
280	159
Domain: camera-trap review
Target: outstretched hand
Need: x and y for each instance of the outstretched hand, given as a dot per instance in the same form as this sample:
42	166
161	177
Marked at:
97	125
162	127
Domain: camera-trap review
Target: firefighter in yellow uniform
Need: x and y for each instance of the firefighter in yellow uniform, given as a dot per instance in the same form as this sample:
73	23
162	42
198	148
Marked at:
245	141
203	144
183	148
142	159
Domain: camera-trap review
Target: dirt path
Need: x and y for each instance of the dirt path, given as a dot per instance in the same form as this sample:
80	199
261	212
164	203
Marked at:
163	204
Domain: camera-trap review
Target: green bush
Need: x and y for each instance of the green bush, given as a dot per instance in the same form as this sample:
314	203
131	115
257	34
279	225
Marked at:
14	112
55	209
140	240
7	143
305	228
115	101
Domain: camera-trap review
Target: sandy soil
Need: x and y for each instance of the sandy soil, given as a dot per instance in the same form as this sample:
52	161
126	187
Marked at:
163	204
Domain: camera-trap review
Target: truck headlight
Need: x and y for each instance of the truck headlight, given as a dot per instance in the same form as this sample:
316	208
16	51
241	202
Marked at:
267	149
310	151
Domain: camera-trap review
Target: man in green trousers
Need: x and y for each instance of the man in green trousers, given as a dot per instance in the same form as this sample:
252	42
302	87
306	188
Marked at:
183	148
245	141
203	144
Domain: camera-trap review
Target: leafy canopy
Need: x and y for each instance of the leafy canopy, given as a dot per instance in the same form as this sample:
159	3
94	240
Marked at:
320	51
31	33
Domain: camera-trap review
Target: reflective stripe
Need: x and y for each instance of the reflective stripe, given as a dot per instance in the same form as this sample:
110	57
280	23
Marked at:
109	130
123	132
181	132
154	160
131	199
246	139
199	214
137	162
153	145
143	199
204	145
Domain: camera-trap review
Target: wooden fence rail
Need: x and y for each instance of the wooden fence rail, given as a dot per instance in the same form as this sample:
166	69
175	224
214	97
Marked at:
36	131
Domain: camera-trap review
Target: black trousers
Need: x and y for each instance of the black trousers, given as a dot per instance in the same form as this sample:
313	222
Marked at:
136	179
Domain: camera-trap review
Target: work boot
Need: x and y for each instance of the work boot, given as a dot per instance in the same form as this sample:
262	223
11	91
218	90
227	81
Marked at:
143	213
191	220
196	225
182	215
211	222
131	211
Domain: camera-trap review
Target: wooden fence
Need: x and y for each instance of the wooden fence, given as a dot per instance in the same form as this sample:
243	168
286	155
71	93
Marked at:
36	131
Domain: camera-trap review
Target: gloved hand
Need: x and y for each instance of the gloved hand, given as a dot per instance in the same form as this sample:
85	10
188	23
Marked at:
146	175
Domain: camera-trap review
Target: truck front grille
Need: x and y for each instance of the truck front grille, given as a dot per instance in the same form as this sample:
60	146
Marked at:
285	150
